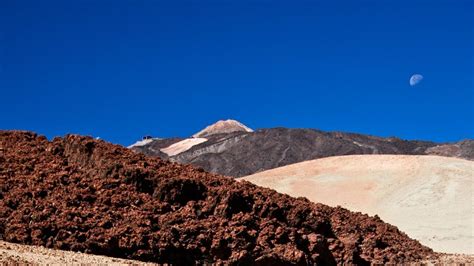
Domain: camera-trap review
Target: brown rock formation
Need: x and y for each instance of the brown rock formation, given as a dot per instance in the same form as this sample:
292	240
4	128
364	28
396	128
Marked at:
77	193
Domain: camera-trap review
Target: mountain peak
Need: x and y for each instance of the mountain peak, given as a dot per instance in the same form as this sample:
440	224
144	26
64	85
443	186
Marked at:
223	126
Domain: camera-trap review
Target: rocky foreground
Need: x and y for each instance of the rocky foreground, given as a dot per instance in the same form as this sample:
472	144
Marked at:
80	194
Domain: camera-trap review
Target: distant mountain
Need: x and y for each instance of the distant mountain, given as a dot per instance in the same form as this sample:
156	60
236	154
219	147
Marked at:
233	149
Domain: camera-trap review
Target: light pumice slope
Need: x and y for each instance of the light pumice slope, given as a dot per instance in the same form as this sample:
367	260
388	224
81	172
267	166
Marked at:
182	146
428	197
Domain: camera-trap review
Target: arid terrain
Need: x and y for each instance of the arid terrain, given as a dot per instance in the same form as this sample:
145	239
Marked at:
428	197
237	133
80	194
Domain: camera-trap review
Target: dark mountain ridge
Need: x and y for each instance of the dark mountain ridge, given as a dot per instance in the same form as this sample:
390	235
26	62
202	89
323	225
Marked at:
242	153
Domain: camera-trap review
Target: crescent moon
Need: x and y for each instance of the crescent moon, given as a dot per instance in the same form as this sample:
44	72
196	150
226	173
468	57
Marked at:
415	79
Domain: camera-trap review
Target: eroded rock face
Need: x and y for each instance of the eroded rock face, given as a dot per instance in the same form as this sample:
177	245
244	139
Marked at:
462	149
80	194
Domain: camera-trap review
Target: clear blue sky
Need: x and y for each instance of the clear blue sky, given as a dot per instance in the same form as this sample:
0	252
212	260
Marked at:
123	69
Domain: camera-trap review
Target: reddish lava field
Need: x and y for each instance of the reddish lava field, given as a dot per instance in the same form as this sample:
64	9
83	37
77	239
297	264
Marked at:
81	194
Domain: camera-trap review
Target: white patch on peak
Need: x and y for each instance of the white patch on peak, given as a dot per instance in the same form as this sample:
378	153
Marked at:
140	143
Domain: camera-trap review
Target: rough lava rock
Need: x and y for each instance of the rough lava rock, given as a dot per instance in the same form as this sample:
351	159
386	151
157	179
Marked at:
77	193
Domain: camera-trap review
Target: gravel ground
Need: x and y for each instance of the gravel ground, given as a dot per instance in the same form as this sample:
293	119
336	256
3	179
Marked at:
450	259
33	255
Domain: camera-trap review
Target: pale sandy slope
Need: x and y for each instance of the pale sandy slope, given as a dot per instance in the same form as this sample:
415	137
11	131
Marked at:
428	197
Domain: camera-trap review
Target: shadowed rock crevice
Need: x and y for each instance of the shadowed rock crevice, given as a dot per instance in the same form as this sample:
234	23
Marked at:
180	191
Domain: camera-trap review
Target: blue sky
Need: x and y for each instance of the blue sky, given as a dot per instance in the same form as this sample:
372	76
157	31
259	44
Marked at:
123	69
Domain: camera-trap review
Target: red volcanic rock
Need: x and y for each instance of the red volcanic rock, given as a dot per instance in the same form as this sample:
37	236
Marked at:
77	193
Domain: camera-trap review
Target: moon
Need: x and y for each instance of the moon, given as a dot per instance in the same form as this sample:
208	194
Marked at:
415	79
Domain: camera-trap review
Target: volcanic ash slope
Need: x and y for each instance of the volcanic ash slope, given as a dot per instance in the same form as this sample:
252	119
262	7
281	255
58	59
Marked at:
428	197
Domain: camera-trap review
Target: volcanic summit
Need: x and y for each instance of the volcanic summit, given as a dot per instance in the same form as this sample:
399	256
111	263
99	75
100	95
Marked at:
223	126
